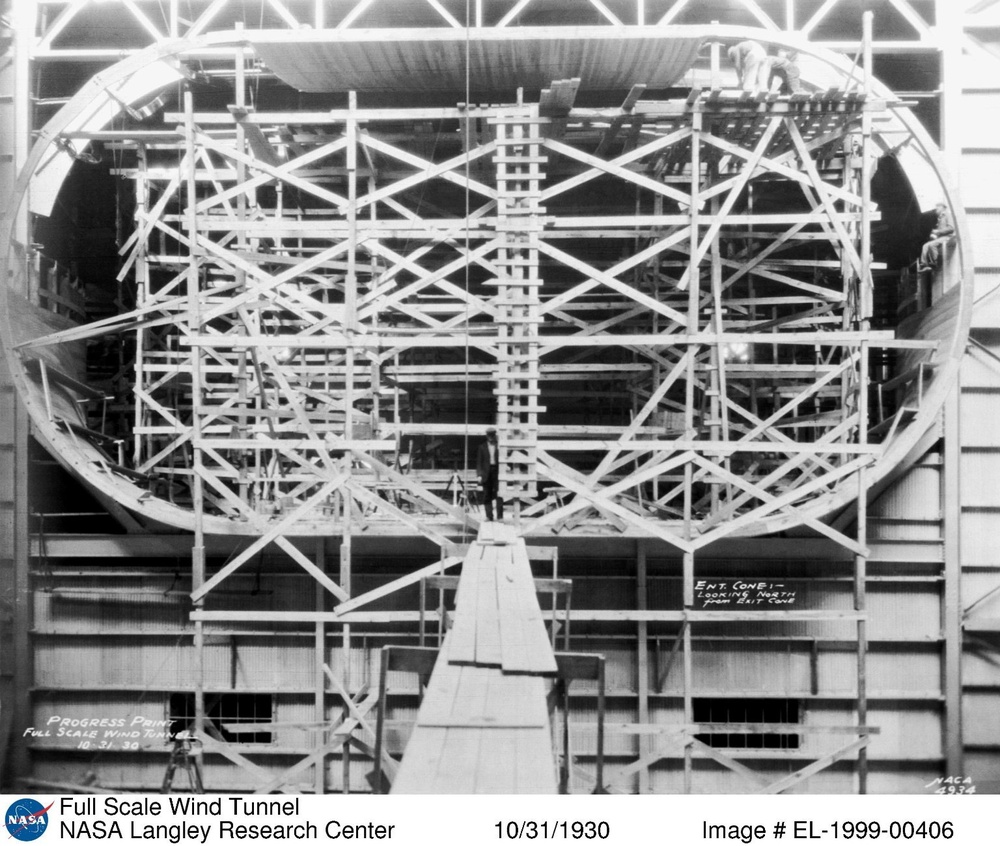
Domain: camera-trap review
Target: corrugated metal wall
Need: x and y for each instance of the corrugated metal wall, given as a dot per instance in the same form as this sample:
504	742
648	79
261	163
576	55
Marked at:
117	645
980	435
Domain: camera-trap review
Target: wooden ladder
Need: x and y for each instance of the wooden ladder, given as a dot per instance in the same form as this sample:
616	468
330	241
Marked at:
519	175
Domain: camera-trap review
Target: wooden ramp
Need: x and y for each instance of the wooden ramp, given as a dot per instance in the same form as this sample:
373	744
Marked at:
483	726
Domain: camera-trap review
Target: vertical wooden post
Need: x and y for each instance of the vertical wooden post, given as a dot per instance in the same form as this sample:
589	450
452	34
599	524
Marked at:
141	291
715	62
17	678
865	293
752	354
687	659
642	657
345	583
689	425
374	359
319	676
692	307
351	281
24	675
861	561
194	327
350	327
949	31
719	427
860	603
22	100
951	616
655	367
240	274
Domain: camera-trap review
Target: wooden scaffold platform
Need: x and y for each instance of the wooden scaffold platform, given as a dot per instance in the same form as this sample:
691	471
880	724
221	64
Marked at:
483	726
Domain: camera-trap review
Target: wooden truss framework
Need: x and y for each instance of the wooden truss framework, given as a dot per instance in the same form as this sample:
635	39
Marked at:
158	20
313	306
278	396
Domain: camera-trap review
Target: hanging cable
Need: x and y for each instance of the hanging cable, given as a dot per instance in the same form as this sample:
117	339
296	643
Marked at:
467	141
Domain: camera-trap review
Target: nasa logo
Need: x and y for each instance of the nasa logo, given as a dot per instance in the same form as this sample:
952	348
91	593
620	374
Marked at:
27	820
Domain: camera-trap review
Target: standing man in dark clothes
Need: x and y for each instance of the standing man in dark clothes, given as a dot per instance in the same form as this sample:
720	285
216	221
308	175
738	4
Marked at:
488	465
943	229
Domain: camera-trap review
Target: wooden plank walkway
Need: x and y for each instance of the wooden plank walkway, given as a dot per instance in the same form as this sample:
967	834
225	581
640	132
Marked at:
483	726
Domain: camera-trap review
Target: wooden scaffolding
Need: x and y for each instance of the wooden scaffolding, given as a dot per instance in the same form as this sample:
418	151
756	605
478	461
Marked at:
347	347
663	307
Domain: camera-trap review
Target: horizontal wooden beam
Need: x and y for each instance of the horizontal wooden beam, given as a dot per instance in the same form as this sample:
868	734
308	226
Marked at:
578	615
439	338
727	447
740	728
356	602
68	547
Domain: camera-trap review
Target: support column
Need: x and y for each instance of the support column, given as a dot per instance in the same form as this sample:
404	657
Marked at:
951	610
864	323
951	34
16	661
865	287
319	676
719	424
860	575
23	15
197	483
244	361
174	22
687	659
642	654
350	328
694	284
141	294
